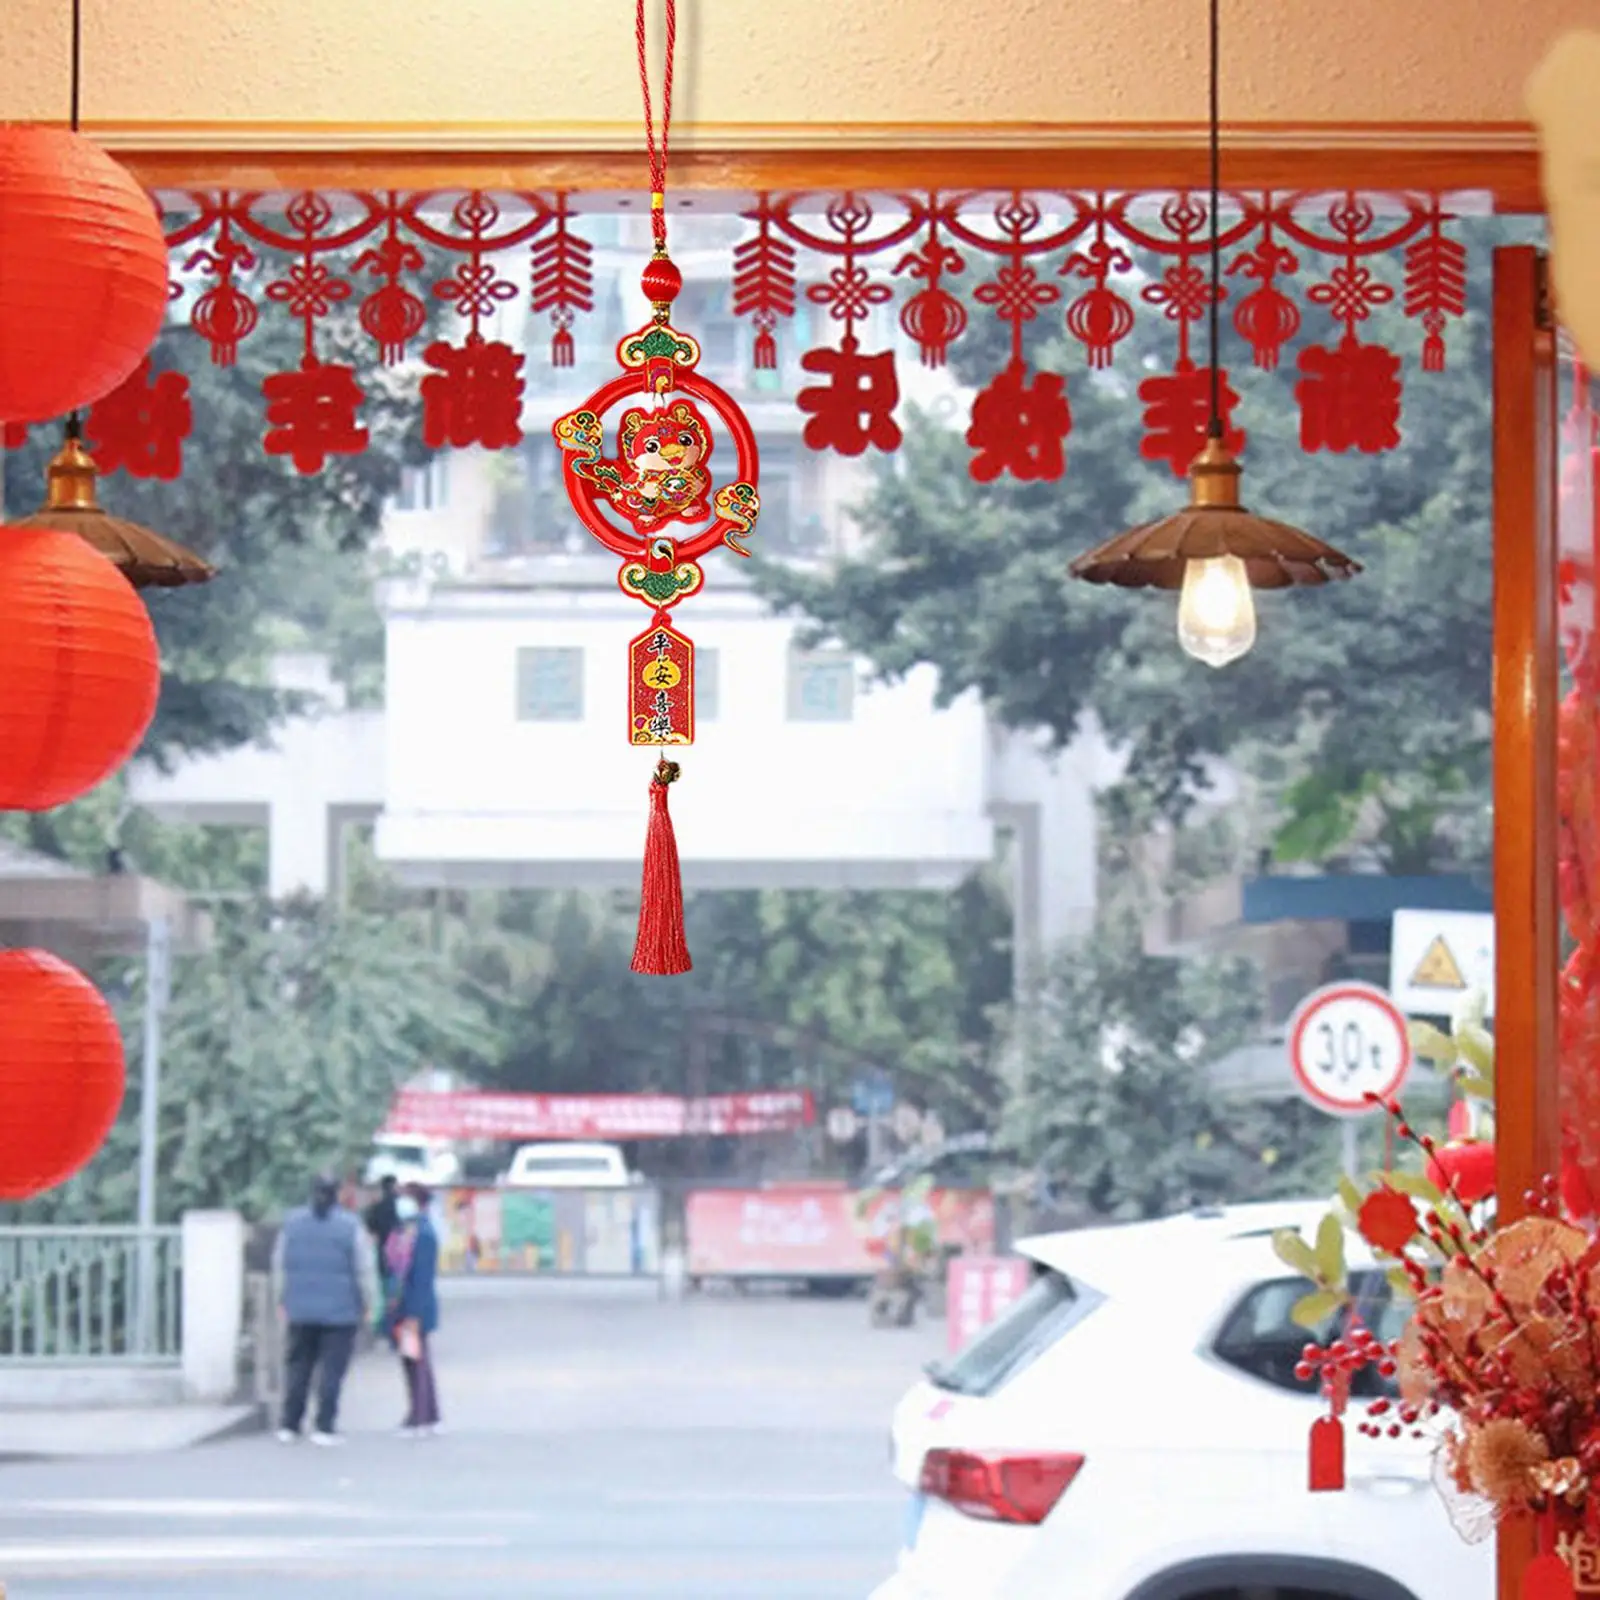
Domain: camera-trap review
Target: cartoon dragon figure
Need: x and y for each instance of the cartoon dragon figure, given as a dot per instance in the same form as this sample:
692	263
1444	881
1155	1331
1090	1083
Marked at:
660	474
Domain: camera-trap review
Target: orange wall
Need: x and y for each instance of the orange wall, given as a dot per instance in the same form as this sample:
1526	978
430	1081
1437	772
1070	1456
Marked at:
754	67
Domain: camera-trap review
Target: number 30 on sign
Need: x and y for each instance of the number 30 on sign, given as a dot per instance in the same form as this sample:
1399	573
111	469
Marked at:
1346	1042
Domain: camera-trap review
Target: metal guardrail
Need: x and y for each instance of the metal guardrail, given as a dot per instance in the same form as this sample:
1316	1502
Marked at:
74	1295
261	1349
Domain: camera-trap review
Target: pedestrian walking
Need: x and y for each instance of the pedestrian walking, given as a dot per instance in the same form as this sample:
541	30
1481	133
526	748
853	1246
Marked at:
415	1260
382	1218
327	1285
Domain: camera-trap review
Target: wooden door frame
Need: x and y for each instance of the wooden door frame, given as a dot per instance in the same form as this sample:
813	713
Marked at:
1499	160
1525	704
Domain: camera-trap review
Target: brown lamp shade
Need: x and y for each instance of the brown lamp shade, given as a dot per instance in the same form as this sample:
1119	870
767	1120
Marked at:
1153	556
146	559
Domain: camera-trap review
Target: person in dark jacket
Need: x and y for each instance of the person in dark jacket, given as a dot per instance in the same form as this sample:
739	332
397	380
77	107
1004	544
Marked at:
416	1310
382	1218
327	1285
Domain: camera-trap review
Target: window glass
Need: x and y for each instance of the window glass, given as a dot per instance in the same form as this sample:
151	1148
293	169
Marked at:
1050	1307
1261	1338
550	685
822	688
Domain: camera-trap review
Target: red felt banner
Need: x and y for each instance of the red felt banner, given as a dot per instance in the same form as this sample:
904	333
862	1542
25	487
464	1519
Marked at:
469	1114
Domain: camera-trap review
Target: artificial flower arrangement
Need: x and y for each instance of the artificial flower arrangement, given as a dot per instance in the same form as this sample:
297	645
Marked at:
1501	1356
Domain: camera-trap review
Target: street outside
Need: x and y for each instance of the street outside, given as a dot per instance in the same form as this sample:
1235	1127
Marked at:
599	1442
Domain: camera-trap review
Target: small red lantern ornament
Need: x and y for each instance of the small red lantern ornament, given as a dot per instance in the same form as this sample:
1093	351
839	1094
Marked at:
84	289
658	481
61	1072
80	671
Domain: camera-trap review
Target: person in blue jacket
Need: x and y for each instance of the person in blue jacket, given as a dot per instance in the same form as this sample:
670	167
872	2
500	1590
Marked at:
416	1311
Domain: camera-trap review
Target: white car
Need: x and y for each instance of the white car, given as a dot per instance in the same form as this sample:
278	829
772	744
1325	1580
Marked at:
1132	1429
568	1166
432	1162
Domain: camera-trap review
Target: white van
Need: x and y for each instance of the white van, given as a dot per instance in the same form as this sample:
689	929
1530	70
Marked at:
568	1166
432	1162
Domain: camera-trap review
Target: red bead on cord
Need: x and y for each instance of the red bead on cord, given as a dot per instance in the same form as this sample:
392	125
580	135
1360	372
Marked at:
660	281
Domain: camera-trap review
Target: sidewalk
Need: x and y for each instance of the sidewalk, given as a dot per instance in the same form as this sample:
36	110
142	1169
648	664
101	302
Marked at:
118	1431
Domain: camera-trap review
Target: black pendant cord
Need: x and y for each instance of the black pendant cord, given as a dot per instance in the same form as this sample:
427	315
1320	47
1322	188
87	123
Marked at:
77	59
1214	425
74	428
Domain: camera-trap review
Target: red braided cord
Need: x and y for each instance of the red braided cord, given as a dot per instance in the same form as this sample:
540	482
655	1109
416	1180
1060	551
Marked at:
658	158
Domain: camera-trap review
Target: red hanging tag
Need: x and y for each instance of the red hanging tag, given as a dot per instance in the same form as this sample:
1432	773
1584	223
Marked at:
1327	1455
1547	1576
661	948
661	685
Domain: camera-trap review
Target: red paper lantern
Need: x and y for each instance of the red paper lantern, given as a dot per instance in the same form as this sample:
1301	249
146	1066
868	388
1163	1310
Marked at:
80	671
83	273
61	1072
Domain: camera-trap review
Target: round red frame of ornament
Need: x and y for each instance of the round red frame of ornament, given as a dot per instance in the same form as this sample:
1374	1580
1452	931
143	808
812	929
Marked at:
585	495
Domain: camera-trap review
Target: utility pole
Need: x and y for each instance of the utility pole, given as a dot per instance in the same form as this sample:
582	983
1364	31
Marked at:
157	991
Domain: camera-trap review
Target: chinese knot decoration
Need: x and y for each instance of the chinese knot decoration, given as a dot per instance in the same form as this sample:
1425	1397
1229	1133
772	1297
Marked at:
651	498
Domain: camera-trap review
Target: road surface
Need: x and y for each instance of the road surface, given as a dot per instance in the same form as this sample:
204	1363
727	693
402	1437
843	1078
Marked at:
599	1444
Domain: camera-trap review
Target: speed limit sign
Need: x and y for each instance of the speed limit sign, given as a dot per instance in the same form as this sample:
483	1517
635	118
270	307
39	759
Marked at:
1346	1042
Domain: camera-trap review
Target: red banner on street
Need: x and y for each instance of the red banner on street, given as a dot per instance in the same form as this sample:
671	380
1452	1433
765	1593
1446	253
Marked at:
819	1231
467	1114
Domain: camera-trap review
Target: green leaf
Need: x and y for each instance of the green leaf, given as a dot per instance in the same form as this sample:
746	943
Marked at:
1314	1309
1350	1195
1476	1045
1415	1184
1432	1045
1330	1253
1294	1252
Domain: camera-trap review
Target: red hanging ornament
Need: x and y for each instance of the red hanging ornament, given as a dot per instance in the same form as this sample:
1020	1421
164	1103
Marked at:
659	483
61	1071
84	290
80	666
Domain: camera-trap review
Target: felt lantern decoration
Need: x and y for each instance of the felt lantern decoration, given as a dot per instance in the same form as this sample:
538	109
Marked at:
61	1072
652	498
80	671
84	287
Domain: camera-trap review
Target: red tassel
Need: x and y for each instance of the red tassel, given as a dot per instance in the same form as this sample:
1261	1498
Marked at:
1327	1454
563	351
661	948
766	351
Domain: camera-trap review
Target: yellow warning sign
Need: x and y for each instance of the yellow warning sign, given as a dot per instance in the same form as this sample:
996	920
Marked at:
1437	969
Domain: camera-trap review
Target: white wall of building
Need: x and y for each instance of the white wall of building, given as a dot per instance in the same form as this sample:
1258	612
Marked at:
314	774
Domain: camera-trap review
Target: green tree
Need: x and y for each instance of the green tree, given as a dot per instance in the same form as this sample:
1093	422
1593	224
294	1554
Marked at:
282	1046
1116	1109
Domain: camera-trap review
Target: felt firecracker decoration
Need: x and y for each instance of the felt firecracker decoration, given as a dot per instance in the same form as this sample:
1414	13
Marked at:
84	290
80	667
61	1072
646	490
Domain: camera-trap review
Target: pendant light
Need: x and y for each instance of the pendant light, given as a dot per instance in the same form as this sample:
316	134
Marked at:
145	558
1214	551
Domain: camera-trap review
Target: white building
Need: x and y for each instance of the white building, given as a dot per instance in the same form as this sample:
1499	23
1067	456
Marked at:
501	757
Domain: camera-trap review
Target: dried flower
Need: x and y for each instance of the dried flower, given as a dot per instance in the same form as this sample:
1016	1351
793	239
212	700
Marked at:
1502	1457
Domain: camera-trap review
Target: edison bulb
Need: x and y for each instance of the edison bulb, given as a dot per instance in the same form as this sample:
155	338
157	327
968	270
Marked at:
1216	614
